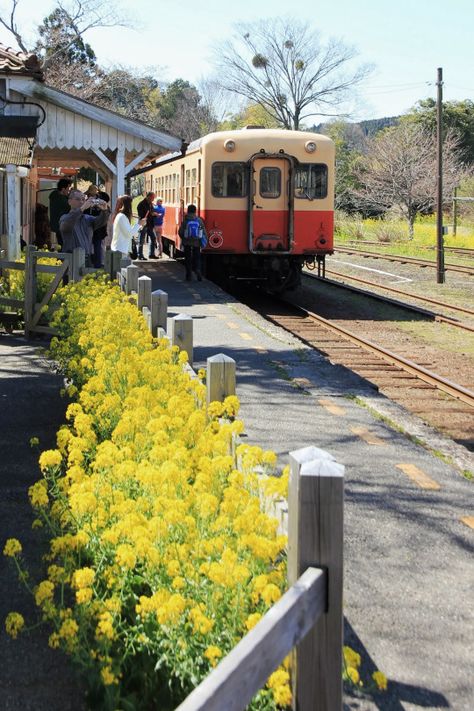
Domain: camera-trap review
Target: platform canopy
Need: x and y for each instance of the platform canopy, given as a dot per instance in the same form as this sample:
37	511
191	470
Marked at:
73	132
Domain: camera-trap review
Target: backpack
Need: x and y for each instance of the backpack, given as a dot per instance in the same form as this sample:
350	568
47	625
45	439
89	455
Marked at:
193	229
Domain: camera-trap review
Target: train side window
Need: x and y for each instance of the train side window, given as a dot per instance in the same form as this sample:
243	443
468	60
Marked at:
311	181
229	179
270	182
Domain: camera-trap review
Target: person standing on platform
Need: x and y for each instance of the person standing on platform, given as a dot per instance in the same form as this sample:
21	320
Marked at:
76	227
158	218
193	235
123	232
145	207
59	205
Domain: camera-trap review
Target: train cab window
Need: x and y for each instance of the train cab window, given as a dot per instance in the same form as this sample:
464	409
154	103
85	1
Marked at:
229	179
311	181
270	182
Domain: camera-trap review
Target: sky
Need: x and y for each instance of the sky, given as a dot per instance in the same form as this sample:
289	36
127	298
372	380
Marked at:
404	41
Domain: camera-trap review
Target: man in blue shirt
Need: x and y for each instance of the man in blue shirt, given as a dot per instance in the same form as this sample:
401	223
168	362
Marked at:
158	218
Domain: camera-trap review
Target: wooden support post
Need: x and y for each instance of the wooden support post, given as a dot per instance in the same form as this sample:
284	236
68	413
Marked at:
147	316
30	287
182	334
220	377
133	272
78	263
116	259
315	538
144	292
159	310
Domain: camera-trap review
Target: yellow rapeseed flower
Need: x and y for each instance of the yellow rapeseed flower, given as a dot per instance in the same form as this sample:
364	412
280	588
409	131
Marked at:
12	547
381	680
14	623
213	653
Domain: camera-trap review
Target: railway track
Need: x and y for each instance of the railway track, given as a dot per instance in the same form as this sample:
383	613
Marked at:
405	260
441	318
442	403
461	251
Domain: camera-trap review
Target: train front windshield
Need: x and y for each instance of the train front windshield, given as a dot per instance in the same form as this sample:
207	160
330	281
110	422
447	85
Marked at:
311	181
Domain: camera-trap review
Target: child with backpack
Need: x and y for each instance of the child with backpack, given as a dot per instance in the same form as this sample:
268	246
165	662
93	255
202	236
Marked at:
193	238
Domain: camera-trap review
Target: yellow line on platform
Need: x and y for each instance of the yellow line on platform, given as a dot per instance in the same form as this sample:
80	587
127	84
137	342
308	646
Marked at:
418	476
260	349
468	520
331	407
367	436
245	336
231	324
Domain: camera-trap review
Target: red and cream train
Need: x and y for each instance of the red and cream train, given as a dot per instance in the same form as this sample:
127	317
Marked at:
265	195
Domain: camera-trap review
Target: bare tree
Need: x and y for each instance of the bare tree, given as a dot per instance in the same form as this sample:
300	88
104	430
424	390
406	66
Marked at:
399	170
83	15
283	65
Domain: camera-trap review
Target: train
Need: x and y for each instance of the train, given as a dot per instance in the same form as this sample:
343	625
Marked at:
266	197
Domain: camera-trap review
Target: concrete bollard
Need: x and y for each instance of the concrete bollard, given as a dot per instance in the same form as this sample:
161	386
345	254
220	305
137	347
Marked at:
144	292
159	310
133	272
220	377
147	316
116	259
78	263
182	334
123	279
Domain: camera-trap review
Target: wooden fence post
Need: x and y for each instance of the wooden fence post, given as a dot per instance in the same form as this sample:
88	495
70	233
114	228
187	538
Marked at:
133	272
159	310
144	292
220	377
30	287
78	263
315	538
125	262
182	334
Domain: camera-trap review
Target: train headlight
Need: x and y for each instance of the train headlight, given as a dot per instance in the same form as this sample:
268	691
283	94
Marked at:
310	146
229	145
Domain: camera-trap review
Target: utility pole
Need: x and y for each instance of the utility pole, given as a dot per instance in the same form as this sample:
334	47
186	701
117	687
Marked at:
455	211
439	182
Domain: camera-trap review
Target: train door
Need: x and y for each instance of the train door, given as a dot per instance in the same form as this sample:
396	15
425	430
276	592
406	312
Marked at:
271	211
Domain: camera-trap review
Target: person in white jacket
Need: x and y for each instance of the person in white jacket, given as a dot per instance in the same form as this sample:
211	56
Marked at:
123	232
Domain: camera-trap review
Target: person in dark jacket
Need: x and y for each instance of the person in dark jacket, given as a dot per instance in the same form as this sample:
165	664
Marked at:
58	206
100	233
145	209
193	234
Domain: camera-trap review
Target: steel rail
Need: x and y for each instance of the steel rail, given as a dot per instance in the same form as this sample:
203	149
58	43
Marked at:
457	391
393	289
405	260
400	304
464	251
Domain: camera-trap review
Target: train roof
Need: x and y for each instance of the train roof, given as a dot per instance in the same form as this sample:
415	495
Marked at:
251	135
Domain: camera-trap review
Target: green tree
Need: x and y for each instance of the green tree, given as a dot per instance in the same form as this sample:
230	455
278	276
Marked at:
458	117
250	115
